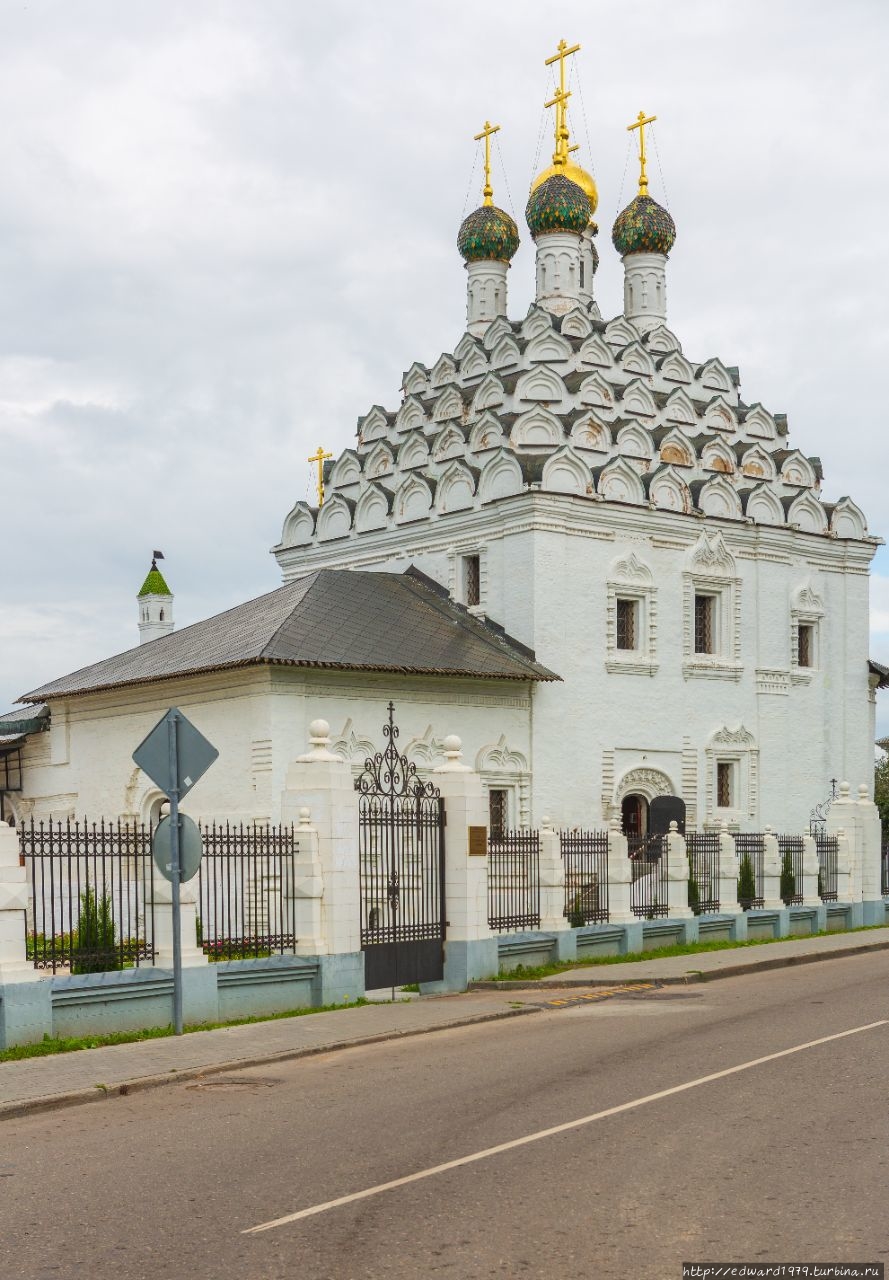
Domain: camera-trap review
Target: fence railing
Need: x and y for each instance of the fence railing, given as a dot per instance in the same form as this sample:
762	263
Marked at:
585	858
790	850
702	848
884	871
246	907
828	852
90	895
648	892
750	848
514	881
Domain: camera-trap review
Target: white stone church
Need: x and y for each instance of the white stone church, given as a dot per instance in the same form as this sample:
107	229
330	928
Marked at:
568	541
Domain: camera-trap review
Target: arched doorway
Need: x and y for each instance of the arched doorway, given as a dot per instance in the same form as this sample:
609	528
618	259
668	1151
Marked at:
634	814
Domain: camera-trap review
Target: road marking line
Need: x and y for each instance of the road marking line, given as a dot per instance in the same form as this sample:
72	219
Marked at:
549	1133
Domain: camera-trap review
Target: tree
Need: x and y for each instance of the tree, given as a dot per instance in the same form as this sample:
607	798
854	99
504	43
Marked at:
746	883
881	793
92	942
788	879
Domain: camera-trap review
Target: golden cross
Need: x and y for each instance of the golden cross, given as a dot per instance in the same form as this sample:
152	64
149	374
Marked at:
487	133
560	102
641	121
320	457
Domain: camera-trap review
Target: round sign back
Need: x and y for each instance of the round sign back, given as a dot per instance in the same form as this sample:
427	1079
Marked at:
191	847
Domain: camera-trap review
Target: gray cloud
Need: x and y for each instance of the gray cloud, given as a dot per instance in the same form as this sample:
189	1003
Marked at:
225	230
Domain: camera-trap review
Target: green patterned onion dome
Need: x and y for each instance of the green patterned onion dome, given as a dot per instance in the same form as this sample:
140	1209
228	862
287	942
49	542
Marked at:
557	205
643	227
487	235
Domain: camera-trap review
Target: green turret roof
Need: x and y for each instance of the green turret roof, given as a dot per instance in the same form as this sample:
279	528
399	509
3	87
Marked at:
154	584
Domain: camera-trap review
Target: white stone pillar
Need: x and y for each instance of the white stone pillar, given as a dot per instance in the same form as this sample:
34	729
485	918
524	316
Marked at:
558	271
728	873
307	890
14	964
871	839
485	294
552	880
470	947
589	259
811	897
323	783
620	877
645	289
845	815
771	872
192	954
677	876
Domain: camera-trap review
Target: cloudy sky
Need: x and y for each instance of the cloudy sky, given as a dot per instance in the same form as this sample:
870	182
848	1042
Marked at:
226	228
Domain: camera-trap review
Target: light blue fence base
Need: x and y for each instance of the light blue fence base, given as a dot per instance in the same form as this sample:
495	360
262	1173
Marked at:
719	928
464	962
873	912
25	1013
140	999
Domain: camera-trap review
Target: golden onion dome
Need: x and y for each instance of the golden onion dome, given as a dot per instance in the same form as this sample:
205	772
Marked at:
574	173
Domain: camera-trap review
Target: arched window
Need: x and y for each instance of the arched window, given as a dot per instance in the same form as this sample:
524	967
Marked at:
162	615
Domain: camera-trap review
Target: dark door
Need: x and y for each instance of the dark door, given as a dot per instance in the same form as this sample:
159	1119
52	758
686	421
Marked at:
662	811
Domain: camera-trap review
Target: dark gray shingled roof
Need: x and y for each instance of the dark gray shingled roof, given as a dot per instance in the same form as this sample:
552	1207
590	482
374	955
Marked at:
333	618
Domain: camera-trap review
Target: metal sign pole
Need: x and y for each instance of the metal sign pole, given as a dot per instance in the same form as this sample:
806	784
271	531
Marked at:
173	729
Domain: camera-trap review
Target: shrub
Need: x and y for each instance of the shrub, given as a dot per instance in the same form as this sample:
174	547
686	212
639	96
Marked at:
788	879
576	916
746	883
694	895
92	942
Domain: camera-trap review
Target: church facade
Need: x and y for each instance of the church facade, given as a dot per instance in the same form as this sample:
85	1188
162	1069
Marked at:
580	490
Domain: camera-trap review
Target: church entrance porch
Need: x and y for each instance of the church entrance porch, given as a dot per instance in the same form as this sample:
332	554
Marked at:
401	870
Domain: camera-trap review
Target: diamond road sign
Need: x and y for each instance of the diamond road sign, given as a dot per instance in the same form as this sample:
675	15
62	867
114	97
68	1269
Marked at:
195	754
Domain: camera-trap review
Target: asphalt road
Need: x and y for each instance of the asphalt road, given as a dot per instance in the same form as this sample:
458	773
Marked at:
784	1160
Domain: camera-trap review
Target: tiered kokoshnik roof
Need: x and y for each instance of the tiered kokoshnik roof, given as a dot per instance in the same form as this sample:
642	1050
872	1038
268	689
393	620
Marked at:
570	405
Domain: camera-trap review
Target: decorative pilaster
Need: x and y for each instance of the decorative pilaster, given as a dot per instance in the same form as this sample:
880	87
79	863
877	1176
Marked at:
558	271
485	294
645	289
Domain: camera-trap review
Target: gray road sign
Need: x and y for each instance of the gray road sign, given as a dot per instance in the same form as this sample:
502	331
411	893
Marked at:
195	754
191	847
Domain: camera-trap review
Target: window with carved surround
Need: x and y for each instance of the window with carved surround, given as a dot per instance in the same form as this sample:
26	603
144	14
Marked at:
631	618
468	577
711	639
731	777
806	614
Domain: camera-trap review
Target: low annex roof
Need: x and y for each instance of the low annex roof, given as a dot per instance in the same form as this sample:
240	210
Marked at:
333	618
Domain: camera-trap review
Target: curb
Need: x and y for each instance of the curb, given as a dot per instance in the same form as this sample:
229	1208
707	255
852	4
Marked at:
692	975
101	1093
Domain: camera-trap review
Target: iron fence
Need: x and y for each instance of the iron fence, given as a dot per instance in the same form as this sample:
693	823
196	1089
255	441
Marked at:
750	848
790	849
245	883
514	881
702	848
585	857
90	895
828	852
648	892
884	871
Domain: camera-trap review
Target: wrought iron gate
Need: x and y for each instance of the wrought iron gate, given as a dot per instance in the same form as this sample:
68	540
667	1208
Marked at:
401	869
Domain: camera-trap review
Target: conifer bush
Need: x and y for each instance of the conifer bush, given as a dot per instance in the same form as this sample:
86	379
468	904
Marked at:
92	942
788	879
746	883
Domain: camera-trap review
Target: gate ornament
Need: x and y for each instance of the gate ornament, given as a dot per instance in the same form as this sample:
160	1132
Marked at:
390	774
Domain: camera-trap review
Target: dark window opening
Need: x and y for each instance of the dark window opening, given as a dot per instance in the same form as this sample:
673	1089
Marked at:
704	611
626	624
724	784
472	590
497	813
804	646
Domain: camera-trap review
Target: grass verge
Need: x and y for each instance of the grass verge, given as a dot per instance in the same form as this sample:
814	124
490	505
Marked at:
523	973
69	1044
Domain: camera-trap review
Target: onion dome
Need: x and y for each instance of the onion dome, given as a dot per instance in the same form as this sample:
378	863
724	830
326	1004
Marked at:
574	173
643	227
488	235
558	204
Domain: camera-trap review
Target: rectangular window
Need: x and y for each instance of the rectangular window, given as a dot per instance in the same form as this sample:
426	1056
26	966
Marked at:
724	780
472	591
805	646
626	624
705	609
497	813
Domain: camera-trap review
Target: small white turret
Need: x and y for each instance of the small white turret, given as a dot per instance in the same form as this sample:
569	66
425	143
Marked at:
155	604
487	240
